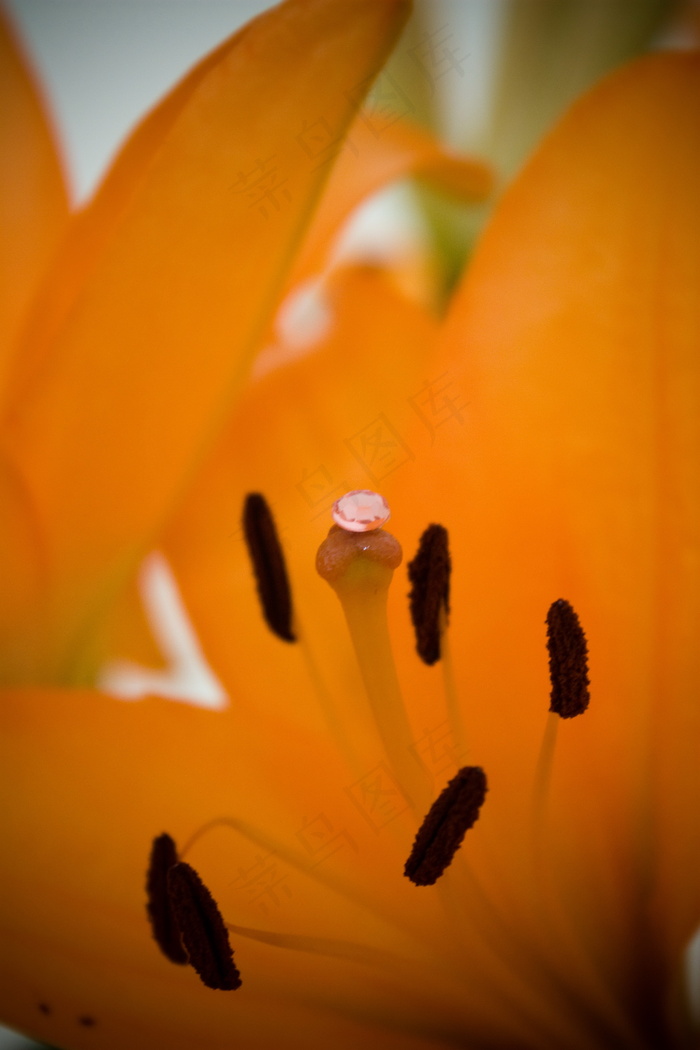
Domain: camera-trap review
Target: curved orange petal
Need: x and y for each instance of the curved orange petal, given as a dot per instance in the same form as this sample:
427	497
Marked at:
77	959
573	473
372	157
33	200
242	793
112	424
96	223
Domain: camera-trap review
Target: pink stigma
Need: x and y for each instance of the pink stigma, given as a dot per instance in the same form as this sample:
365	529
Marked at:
360	511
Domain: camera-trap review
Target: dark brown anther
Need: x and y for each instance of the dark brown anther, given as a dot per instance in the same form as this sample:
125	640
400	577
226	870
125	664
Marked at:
203	930
165	931
269	566
440	835
429	574
568	661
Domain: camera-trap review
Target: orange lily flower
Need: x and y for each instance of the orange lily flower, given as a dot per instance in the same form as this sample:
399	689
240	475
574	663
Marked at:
550	424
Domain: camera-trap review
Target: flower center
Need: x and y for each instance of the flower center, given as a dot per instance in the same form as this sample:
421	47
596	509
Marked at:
358	559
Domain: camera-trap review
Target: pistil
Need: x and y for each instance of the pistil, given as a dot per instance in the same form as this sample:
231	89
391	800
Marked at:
359	566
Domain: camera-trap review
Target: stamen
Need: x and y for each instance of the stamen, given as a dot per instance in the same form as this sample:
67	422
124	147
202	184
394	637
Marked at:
300	861
568	661
454	707
569	696
203	929
451	815
359	567
429	602
543	779
429	574
269	566
160	913
333	949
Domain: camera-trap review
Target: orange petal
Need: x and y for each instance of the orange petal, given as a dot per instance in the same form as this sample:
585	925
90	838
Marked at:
245	798
136	382
94	225
574	474
77	958
373	155
32	192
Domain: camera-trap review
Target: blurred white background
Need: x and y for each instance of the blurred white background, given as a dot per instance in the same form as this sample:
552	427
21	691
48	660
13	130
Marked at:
104	62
